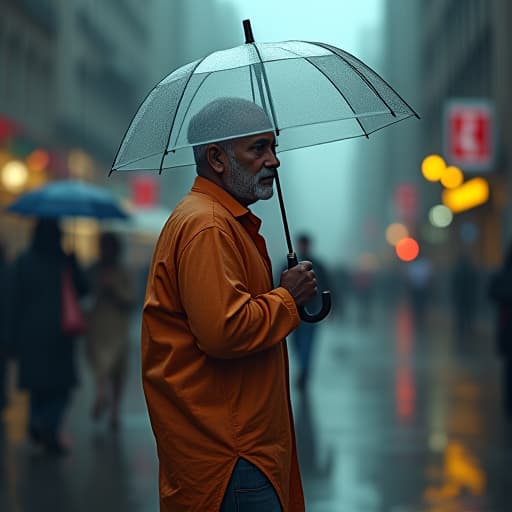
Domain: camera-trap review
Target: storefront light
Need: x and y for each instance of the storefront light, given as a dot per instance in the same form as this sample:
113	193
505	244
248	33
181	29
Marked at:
38	160
469	195
14	176
433	167
407	249
452	177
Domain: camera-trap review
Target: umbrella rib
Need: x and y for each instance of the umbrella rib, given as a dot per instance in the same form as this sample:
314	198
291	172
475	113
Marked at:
394	90
307	59
368	83
260	88
347	138
128	129
188	107
265	79
165	151
343	95
252	84
120	167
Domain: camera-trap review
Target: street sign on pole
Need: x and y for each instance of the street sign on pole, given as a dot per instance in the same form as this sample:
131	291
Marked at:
469	134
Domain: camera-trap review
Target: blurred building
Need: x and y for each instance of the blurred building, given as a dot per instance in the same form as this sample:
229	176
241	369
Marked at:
370	184
72	75
437	52
387	182
200	28
466	52
73	72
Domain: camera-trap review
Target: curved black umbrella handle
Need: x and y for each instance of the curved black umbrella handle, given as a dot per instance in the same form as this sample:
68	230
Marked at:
326	299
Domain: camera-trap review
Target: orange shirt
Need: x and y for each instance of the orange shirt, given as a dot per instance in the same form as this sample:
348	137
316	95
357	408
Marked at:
214	361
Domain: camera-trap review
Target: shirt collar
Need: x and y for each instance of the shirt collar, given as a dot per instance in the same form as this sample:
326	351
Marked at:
205	186
247	219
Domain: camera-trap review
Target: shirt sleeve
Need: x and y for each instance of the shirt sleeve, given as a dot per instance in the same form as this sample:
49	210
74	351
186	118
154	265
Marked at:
225	318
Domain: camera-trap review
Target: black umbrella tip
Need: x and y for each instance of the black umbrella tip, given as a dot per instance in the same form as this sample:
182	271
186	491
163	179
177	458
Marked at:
249	38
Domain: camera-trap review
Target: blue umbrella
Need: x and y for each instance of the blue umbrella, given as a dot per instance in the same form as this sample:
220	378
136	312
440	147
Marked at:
68	198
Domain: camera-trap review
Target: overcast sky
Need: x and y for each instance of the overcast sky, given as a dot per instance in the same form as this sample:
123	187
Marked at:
316	181
338	22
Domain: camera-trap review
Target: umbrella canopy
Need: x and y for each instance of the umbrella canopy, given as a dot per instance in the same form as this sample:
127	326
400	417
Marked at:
68	198
309	93
313	93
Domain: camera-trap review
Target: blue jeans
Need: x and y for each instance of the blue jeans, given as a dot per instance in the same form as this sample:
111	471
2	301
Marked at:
249	490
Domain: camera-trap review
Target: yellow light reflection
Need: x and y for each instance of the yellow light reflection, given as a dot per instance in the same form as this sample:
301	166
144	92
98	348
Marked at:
433	167
396	232
452	177
472	193
461	473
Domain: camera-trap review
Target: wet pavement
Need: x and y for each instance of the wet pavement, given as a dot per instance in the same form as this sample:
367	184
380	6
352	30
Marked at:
397	418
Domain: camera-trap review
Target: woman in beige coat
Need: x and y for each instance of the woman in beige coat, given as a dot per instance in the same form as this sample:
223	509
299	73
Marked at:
113	297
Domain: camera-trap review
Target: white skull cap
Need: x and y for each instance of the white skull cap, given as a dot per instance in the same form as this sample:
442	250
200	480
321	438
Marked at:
227	118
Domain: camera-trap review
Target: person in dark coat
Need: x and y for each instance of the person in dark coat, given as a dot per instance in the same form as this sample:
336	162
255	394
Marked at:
45	355
304	335
464	294
3	330
500	292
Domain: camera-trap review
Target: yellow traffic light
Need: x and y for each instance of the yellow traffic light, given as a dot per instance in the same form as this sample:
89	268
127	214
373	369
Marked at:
472	193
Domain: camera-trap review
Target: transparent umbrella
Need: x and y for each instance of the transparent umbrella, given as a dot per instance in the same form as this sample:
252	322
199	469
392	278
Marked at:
313	93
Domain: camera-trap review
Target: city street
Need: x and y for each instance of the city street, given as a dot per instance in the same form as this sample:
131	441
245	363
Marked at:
395	420
139	148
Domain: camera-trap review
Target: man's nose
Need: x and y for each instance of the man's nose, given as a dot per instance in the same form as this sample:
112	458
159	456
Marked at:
272	160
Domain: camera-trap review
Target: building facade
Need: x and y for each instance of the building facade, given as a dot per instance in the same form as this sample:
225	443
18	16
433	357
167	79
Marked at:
446	50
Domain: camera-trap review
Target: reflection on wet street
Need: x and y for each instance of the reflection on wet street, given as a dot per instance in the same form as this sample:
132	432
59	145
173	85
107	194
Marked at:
396	419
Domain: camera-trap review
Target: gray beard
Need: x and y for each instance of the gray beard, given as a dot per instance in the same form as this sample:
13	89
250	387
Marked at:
247	187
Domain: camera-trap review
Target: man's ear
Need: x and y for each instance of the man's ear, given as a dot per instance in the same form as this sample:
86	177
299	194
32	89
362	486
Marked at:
216	158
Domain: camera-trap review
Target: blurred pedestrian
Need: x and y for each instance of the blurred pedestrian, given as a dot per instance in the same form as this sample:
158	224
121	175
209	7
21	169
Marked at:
3	329
340	289
419	275
113	297
214	361
44	352
362	285
465	289
500	292
305	334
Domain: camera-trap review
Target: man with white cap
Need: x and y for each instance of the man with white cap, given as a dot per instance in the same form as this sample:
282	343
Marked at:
214	360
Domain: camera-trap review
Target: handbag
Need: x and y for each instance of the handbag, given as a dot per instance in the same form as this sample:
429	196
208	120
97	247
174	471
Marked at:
73	320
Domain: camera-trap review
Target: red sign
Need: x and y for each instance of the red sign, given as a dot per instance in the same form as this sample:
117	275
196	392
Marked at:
144	191
469	135
8	128
406	201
